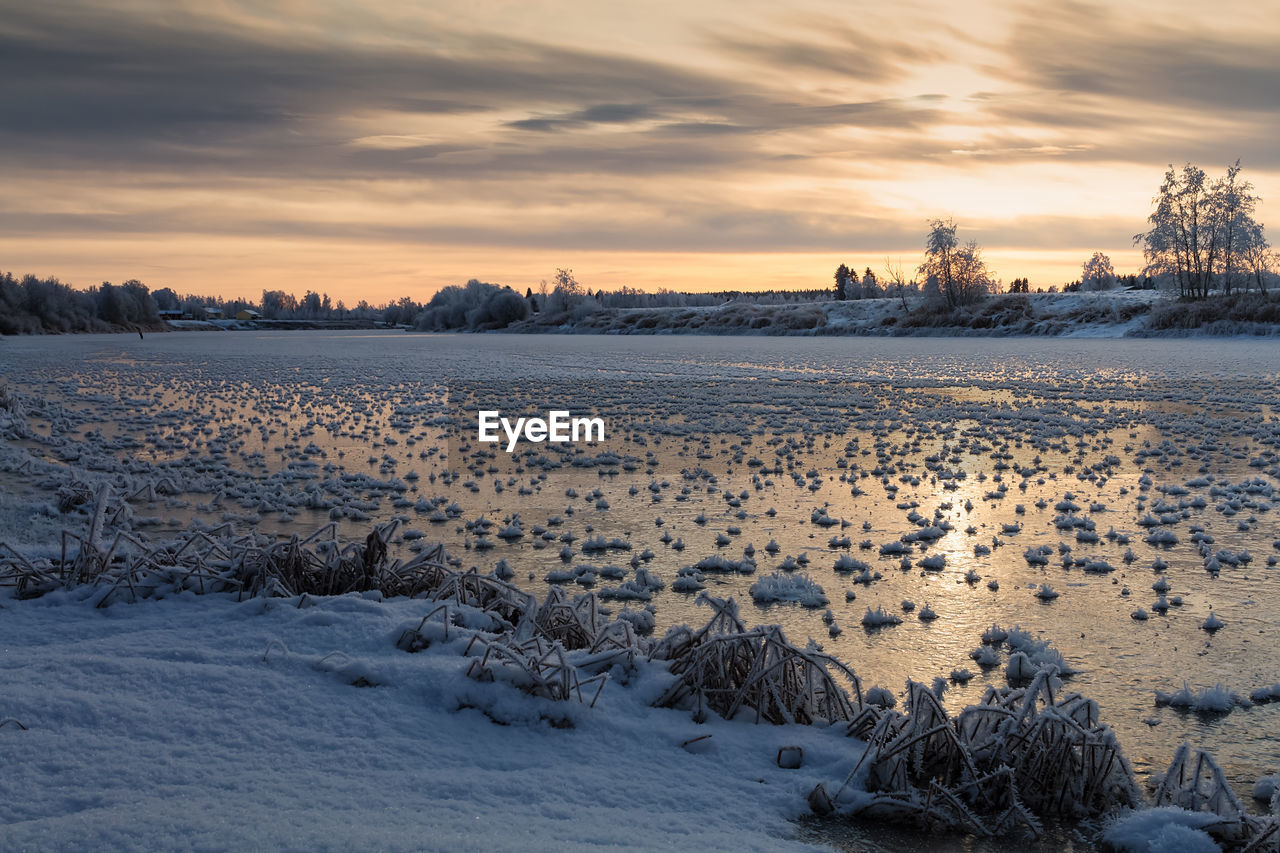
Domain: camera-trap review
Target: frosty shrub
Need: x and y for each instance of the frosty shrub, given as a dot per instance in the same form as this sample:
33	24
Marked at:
475	306
1019	755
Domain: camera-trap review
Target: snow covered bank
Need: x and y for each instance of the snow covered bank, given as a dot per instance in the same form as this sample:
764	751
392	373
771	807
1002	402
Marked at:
205	723
1112	314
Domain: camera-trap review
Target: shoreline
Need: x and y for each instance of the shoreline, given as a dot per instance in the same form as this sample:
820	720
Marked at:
1103	315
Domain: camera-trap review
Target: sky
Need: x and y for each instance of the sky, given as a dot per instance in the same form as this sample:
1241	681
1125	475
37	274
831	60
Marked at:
377	150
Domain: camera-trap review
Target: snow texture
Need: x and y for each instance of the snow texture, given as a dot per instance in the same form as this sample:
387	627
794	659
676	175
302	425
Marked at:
202	723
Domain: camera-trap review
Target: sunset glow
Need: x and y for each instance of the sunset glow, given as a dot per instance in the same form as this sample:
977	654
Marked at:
379	150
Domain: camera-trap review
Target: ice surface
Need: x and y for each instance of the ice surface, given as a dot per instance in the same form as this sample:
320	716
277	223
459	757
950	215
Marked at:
944	452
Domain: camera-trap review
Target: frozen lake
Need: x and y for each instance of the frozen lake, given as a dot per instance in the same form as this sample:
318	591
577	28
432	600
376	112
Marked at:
1078	465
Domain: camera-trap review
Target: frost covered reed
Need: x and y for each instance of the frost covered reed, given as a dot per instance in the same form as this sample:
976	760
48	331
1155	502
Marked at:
728	669
1195	783
129	568
1019	755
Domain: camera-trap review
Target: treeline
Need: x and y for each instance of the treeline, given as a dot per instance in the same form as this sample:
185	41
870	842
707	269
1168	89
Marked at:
275	305
32	305
479	306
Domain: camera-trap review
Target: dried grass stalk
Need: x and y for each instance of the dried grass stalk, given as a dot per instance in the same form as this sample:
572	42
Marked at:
727	669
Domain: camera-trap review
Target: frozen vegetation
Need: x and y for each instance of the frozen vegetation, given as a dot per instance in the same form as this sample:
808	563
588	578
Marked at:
1142	313
236	573
783	586
33	305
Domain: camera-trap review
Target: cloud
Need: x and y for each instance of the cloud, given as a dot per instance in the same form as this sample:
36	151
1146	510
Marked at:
1142	59
123	89
611	114
126	75
615	113
1095	129
1081	234
714	225
1090	83
545	125
828	47
622	219
436	125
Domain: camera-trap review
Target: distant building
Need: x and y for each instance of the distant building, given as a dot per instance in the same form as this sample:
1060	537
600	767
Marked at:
171	314
213	313
248	314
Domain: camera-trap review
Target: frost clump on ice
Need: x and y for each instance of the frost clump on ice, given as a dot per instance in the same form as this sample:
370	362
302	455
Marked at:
784	586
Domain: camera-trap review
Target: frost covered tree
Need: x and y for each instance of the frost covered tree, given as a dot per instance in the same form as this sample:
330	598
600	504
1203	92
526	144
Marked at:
568	300
898	280
870	284
842	282
311	307
957	272
1233	206
475	306
1097	273
34	305
1259	258
1202	231
167	299
277	304
939	257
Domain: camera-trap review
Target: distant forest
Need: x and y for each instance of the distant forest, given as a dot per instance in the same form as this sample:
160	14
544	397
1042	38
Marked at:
33	305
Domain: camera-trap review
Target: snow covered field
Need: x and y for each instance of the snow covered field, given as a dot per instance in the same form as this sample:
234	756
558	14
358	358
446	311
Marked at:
960	477
160	725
